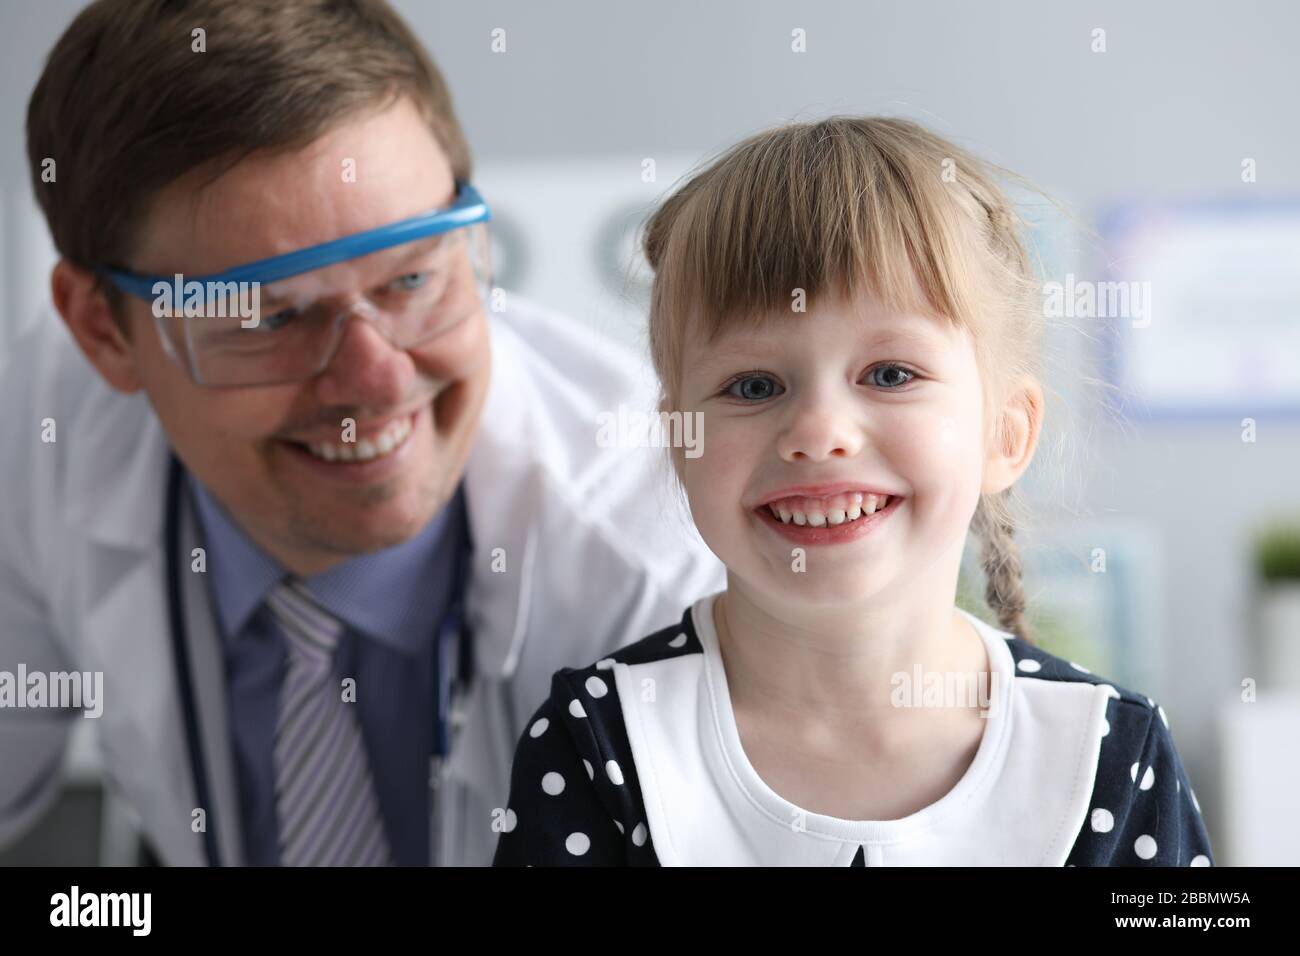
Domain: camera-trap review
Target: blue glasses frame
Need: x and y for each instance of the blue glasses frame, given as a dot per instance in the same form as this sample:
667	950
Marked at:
467	209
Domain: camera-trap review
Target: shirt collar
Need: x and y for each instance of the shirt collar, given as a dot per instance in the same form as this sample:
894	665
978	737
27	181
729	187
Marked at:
393	596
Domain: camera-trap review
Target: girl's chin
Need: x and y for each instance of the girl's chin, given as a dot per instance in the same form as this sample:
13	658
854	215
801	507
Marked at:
847	587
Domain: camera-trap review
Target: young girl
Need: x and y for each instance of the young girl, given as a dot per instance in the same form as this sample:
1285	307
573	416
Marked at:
847	307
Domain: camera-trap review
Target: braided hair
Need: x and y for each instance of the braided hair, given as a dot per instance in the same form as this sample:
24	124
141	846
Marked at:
1004	589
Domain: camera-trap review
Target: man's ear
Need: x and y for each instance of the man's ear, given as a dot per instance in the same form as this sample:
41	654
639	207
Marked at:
1022	421
86	313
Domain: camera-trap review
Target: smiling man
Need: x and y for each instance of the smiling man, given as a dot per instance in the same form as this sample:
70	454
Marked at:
263	449
326	560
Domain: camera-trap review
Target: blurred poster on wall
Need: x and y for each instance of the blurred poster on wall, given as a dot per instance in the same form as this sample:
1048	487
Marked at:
1201	307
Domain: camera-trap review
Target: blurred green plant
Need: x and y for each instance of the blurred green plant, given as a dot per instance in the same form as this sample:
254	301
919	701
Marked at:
1052	633
1277	553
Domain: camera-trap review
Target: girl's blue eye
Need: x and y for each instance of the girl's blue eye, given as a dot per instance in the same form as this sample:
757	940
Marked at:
896	368
753	388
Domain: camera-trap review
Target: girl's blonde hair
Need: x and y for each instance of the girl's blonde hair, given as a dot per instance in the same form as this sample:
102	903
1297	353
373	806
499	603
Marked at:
845	205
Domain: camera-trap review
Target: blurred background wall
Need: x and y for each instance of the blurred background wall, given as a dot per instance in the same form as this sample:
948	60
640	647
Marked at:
1183	94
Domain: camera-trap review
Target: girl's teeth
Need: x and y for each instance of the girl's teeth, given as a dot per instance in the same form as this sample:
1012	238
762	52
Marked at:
836	511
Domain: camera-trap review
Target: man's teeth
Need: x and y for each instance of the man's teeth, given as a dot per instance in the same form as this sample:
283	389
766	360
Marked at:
823	512
367	448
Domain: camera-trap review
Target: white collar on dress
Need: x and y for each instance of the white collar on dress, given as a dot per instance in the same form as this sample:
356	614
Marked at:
1021	801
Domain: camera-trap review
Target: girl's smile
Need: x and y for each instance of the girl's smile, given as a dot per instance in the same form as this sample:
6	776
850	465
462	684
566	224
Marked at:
829	519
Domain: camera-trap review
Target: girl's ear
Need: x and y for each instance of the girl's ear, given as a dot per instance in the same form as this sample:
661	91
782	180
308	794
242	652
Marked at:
1020	425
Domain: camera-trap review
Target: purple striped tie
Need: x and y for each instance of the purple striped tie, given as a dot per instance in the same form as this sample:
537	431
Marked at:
325	797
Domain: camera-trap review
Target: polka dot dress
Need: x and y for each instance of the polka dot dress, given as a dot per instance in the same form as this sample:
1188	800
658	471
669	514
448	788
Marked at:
1143	810
575	799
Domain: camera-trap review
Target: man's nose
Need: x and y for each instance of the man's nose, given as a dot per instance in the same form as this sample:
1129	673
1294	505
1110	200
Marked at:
822	427
366	368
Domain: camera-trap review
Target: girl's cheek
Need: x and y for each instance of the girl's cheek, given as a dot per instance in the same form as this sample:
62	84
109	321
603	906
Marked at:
945	436
715	482
944	466
707	477
731	450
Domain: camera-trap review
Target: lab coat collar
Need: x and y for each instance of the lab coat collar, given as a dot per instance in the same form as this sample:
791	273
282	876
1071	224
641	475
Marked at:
504	488
114	488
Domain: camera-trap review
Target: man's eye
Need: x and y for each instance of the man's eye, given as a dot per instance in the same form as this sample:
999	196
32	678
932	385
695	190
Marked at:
752	388
892	368
409	282
278	320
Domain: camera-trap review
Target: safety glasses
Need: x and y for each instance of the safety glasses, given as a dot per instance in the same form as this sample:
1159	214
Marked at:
280	320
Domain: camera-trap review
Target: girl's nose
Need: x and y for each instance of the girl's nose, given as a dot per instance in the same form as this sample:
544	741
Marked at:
820	430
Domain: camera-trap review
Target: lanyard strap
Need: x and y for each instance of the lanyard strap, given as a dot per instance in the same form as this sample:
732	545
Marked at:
452	686
181	659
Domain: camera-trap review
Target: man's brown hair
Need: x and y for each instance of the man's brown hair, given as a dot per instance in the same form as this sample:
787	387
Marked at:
126	105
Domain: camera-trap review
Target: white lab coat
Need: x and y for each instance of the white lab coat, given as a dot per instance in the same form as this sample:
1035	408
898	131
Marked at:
598	547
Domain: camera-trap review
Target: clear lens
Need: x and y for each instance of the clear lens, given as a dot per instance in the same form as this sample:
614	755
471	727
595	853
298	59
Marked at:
288	331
